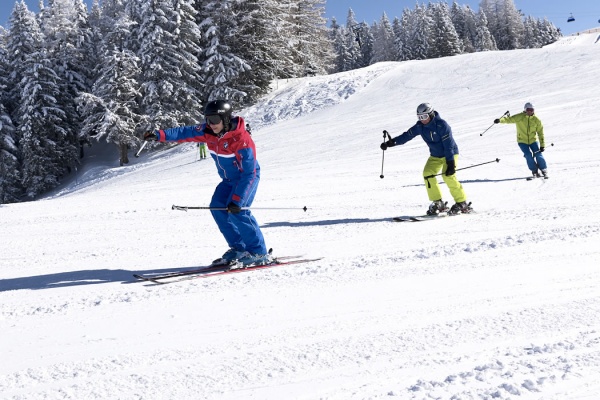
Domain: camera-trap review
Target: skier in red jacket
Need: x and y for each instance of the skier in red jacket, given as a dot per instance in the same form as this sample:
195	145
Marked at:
233	150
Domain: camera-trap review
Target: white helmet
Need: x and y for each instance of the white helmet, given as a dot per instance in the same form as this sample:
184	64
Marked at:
425	109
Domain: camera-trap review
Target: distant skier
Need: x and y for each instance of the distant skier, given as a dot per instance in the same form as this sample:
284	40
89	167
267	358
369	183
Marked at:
529	128
202	150
443	157
233	150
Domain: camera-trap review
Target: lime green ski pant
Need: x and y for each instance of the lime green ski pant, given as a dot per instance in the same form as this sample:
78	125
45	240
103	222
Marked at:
433	166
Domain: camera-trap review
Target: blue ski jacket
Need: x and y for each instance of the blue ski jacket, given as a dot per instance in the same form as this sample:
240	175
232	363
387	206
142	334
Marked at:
234	153
437	134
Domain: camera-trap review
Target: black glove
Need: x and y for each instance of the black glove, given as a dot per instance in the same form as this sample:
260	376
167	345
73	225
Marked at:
497	121
451	170
385	145
542	149
150	136
233	208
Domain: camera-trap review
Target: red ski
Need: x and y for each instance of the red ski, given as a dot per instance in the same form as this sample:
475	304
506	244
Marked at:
216	270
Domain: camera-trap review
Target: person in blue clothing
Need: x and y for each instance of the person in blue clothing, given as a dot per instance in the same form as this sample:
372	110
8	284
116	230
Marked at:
233	150
443	157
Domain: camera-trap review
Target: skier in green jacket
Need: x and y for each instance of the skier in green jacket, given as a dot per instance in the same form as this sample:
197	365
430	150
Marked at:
529	129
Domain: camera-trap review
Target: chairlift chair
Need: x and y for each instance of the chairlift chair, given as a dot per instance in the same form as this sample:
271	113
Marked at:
571	18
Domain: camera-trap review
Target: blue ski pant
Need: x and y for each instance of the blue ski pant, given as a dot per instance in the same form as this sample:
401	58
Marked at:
241	231
533	155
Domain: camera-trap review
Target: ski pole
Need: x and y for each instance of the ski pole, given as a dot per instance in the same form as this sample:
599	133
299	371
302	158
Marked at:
186	208
385	134
460	169
506	113
141	148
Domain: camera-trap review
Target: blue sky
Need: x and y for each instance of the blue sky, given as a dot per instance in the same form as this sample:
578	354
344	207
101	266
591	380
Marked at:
585	12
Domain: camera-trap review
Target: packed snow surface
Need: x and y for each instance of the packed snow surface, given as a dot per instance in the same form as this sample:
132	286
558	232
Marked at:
503	303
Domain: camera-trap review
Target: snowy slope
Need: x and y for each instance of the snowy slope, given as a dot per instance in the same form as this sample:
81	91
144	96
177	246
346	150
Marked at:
503	303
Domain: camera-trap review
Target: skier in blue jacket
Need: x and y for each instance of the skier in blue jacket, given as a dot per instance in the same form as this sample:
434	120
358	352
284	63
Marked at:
234	153
443	157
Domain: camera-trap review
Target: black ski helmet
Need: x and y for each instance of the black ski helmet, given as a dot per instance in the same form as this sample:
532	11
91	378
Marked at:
425	108
221	108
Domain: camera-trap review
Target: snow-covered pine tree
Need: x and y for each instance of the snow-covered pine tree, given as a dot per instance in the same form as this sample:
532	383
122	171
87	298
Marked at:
445	41
112	110
419	32
352	43
310	49
337	37
24	38
67	37
398	38
260	44
547	31
383	46
531	36
41	124
367	42
220	66
458	15
505	23
484	41
170	77
10	177
112	107
41	136
403	45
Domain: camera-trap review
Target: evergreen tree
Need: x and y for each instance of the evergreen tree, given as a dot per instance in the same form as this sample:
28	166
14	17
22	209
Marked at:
67	37
403	44
170	75
354	38
41	138
504	22
398	39
112	107
367	42
531	37
24	38
10	177
337	37
44	145
548	32
513	26
419	33
220	66
260	45
445	40
383	47
460	20
484	41
311	51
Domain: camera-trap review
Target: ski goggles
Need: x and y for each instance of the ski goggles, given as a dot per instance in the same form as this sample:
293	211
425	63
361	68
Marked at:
529	109
213	119
423	117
